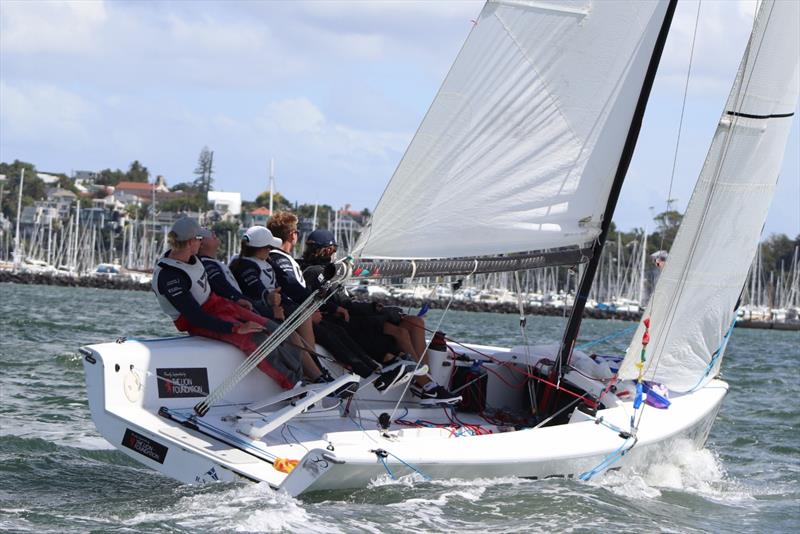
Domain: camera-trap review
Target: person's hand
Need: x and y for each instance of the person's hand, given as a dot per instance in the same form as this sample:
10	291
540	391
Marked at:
316	318
277	311
250	327
246	304
342	312
274	297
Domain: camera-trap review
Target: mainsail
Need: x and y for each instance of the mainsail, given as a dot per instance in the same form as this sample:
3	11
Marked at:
520	147
693	306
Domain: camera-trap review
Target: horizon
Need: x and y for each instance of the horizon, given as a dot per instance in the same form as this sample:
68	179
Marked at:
333	93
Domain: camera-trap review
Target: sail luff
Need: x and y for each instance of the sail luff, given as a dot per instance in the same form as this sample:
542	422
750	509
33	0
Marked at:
576	316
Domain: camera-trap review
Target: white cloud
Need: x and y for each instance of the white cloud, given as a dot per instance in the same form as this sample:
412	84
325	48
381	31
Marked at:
61	27
44	112
295	115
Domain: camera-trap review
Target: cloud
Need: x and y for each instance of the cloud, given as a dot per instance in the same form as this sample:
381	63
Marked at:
60	27
36	112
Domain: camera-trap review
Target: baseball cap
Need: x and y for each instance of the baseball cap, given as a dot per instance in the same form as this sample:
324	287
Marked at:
205	233
185	229
321	238
260	236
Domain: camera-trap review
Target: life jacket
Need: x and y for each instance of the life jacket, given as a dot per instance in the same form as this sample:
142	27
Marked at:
266	275
225	270
298	272
200	288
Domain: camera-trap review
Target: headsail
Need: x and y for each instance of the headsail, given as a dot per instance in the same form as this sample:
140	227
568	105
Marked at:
520	146
693	306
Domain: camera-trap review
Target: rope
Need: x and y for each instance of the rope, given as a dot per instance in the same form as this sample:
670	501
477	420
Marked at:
716	355
606	338
428	344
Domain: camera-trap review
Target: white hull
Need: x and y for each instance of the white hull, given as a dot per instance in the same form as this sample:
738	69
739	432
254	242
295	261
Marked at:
334	452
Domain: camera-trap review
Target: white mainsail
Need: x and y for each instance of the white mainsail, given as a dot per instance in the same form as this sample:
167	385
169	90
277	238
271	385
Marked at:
693	306
519	149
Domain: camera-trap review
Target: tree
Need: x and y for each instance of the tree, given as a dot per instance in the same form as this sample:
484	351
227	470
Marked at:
205	171
137	173
33	189
668	223
279	202
109	177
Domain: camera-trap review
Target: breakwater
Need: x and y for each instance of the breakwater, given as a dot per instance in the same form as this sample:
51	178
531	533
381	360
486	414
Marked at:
69	280
126	283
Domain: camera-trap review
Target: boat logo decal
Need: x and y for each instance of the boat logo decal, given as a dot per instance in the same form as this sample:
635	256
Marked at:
208	476
315	465
144	446
182	382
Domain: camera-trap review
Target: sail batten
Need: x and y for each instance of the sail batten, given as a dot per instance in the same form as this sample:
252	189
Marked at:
520	146
694	304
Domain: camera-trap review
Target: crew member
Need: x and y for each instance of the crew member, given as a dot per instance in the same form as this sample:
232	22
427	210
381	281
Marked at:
181	284
372	325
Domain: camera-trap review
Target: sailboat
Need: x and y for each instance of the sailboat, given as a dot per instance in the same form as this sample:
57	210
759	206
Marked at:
517	165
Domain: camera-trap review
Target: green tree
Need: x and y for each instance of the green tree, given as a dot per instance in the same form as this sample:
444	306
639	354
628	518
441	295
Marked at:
668	223
137	172
205	171
279	202
109	177
33	189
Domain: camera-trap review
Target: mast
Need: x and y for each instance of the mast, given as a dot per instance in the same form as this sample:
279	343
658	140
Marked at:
571	332
271	183
17	256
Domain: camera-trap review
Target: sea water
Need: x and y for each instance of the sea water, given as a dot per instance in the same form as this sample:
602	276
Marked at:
58	475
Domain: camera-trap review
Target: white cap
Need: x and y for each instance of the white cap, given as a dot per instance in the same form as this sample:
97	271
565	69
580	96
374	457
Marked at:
259	236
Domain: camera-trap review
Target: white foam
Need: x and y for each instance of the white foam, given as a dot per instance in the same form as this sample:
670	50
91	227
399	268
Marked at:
248	508
685	469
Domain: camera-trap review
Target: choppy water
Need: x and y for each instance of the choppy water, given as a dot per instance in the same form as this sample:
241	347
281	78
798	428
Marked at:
58	475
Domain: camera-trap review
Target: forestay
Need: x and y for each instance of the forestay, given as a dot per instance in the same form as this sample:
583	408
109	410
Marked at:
519	148
693	306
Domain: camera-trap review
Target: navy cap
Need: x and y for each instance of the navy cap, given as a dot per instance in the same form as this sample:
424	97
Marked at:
321	238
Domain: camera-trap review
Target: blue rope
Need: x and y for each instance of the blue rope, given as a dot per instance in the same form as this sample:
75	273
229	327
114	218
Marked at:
382	460
716	355
417	471
606	338
610	460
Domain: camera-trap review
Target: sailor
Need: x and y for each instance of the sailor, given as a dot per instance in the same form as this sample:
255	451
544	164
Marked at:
373	326
181	285
224	284
256	279
331	332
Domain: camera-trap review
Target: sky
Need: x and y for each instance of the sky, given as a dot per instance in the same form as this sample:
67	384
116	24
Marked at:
332	90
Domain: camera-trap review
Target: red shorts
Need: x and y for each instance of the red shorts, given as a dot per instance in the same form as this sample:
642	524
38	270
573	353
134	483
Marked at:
231	312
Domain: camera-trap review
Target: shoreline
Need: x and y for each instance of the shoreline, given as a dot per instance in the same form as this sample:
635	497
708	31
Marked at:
122	283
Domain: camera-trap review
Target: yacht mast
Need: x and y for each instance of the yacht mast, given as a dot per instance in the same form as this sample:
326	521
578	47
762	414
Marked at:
571	332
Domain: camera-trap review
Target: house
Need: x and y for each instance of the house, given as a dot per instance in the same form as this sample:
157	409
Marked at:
143	190
257	217
40	213
62	200
225	202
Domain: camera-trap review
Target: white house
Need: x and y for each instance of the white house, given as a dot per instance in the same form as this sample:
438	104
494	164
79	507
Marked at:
225	202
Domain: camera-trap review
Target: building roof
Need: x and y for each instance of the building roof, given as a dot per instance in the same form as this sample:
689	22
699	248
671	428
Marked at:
135	186
260	211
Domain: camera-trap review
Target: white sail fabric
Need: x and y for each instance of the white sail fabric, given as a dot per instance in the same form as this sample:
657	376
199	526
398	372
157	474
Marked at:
519	148
693	306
